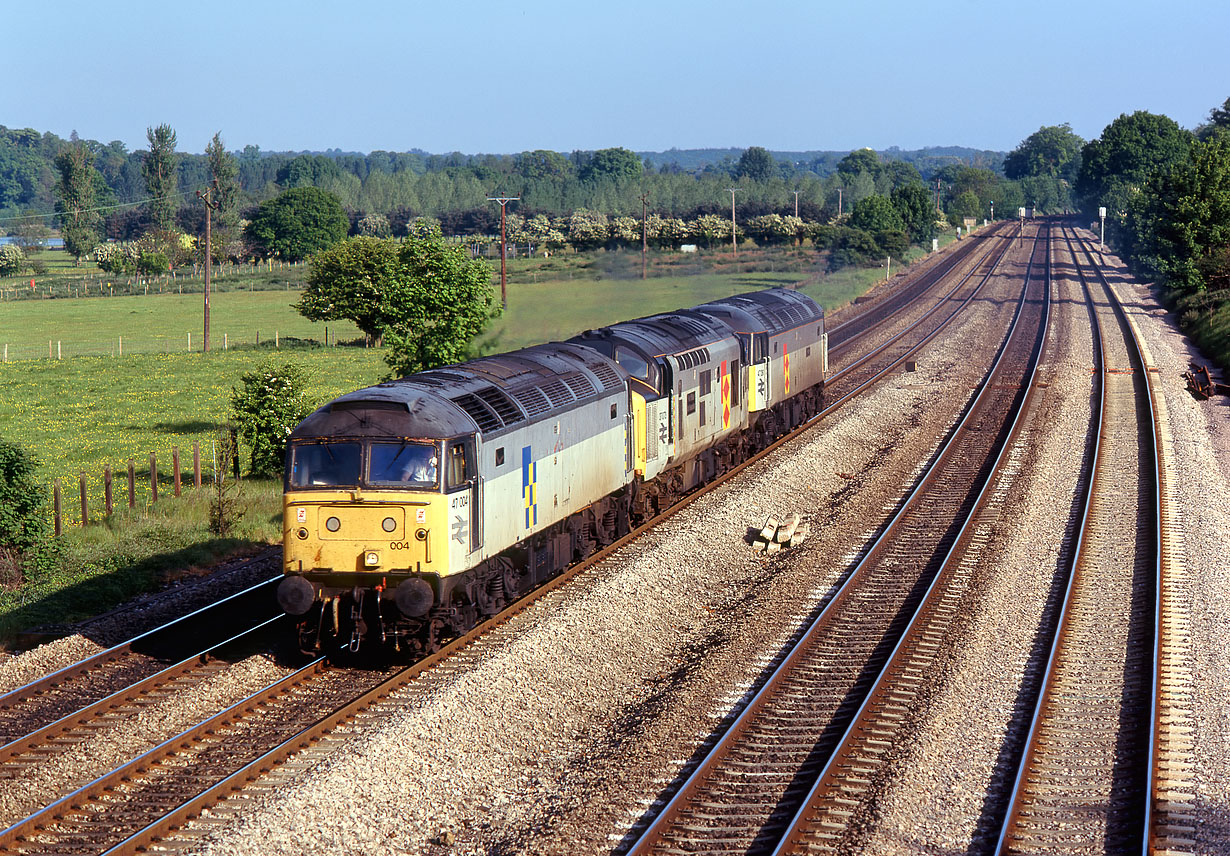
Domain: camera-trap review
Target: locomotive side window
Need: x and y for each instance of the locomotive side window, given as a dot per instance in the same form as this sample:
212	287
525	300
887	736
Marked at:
324	465
403	464
706	382
457	465
499	456
632	363
691	403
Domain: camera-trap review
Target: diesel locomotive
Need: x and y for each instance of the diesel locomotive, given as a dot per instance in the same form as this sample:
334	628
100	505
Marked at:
416	507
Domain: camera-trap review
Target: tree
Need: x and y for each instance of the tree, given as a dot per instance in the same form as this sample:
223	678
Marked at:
159	171
1131	150
266	407
914	206
426	299
861	160
224	175
757	164
1219	121
1179	226
876	214
965	204
80	222
542	164
616	164
1053	151
298	223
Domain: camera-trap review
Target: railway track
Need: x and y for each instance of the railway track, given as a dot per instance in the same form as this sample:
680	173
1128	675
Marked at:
131	664
1091	774
171	783
747	793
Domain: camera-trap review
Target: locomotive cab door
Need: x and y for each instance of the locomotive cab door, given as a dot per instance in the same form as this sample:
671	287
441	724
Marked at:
758	376
465	493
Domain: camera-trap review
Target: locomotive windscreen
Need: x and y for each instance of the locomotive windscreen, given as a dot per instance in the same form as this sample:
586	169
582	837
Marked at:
324	465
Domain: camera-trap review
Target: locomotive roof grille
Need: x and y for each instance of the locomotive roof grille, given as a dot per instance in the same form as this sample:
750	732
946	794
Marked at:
558	394
581	386
508	412
533	401
609	377
692	359
488	420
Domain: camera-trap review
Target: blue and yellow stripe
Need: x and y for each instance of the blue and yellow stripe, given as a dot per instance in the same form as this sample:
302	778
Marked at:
529	487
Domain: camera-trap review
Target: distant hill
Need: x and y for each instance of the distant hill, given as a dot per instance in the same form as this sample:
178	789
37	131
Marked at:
928	159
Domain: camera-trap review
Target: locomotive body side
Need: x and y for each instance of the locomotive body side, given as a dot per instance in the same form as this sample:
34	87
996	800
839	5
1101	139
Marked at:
415	507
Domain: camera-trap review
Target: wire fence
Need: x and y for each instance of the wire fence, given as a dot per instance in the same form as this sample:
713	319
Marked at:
169	342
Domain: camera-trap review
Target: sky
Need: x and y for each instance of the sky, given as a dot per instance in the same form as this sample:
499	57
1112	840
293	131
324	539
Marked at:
504	77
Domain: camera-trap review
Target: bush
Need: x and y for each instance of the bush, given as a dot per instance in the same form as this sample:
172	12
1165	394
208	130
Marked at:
266	409
152	264
12	260
26	540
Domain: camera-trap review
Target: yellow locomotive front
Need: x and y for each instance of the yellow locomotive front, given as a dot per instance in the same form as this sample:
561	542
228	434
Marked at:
364	522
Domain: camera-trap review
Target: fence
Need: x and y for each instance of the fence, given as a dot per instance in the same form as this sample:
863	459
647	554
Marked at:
96	283
169	343
140	487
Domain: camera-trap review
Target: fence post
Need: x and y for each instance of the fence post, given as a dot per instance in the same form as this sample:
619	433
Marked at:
107	490
196	463
55	502
132	484
85	508
175	466
153	477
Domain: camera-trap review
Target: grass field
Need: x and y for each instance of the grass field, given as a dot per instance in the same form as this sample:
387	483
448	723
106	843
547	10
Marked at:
81	413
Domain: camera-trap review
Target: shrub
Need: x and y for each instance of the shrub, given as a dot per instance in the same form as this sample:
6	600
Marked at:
12	260
152	263
266	409
26	540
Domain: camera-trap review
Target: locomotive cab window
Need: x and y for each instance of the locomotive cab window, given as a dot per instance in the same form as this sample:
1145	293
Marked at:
632	363
458	464
403	464
324	465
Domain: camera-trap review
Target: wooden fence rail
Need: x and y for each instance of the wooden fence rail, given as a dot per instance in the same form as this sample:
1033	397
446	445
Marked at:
108	496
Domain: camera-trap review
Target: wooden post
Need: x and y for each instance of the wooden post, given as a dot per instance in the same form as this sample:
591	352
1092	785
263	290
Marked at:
107	504
55	502
153	477
175	466
85	508
196	463
132	484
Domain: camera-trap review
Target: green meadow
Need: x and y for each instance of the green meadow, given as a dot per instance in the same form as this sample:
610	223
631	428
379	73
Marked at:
93	407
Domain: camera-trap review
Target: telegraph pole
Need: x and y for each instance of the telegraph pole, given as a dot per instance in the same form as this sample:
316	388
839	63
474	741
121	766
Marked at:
210	205
796	203
839	202
503	200
734	243
644	236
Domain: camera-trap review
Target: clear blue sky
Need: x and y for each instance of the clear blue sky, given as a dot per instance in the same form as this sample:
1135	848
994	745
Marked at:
505	76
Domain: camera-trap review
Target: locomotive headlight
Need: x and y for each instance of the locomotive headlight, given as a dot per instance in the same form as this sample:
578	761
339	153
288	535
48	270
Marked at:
371	559
389	524
333	524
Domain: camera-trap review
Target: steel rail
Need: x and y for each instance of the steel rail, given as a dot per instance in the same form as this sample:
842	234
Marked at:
1099	471
16	748
652	835
904	655
206	614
